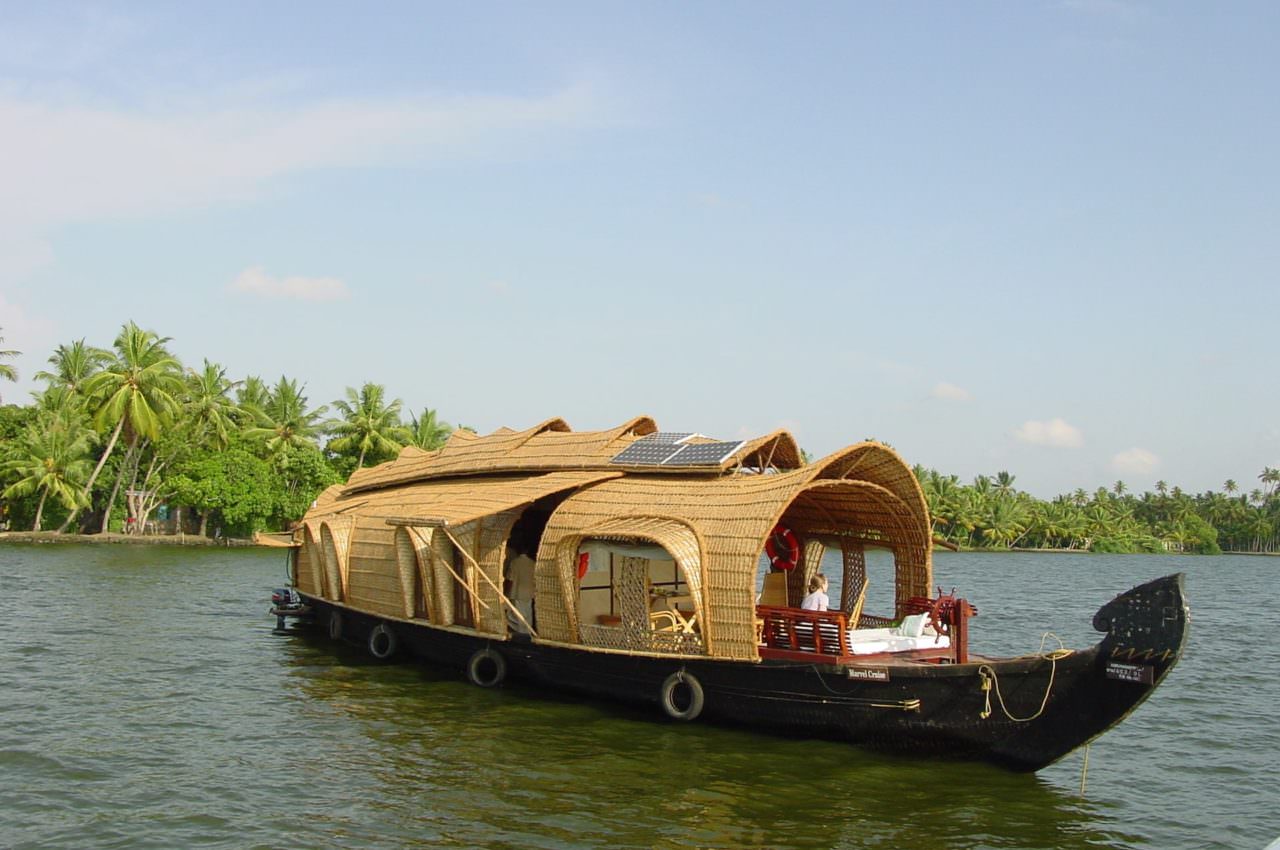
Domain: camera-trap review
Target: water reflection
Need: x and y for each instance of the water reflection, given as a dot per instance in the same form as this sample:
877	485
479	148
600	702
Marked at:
144	702
515	766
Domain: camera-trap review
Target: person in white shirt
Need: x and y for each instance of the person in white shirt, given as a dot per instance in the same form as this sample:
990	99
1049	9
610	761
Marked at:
520	577
817	599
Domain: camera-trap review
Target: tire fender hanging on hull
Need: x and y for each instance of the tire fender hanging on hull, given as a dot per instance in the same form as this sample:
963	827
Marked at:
675	702
486	668
382	642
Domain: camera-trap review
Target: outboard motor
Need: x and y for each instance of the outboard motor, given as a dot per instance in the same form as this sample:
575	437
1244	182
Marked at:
285	602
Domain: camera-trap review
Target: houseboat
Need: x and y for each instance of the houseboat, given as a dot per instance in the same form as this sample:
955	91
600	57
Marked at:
674	570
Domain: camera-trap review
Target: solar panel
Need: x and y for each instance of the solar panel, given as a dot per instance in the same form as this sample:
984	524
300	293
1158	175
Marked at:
644	452
668	448
705	454
667	437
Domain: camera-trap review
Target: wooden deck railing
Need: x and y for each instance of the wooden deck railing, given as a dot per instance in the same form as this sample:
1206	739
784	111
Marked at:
798	630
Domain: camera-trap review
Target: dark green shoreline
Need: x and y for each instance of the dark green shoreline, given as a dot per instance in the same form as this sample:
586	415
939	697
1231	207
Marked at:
41	537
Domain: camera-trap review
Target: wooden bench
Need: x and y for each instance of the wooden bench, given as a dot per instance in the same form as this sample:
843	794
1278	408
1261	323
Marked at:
795	630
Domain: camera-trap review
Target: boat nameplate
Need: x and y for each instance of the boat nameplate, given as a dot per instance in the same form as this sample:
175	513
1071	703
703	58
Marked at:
1141	674
869	674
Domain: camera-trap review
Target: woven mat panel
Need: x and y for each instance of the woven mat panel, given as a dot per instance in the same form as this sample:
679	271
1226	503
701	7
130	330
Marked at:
633	602
854	587
914	567
373	578
310	567
335	538
468	535
677	643
555	587
441	579
811	552
311	538
421	541
490	552
610	637
412	547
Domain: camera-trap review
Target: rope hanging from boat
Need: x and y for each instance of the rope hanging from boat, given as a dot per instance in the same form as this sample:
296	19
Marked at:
989	678
1084	772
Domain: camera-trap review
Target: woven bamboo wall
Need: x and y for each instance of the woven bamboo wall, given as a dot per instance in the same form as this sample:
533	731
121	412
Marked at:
413	561
334	560
869	510
441	564
408	571
679	540
733	515
310	575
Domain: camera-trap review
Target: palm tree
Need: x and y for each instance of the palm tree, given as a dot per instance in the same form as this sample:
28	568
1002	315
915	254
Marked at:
7	372
252	397
1230	486
367	424
1004	483
137	390
1118	488
73	365
285	419
50	458
429	431
1005	521
209	410
1270	477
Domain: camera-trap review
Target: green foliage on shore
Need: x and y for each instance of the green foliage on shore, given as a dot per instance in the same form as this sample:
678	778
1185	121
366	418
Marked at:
990	513
126	438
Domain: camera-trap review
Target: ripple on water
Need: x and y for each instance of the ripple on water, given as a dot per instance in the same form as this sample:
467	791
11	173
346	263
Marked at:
120	727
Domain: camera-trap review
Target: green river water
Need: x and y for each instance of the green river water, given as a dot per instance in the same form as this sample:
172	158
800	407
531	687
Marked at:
145	702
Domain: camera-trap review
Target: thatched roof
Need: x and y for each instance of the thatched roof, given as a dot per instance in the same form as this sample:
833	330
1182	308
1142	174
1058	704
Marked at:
552	445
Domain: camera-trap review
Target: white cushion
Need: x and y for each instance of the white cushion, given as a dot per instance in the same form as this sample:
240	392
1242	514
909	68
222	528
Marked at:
913	626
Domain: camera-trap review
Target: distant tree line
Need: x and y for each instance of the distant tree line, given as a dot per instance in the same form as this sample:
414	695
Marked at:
120	436
991	513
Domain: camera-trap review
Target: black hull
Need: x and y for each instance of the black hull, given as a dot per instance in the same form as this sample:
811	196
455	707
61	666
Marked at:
922	709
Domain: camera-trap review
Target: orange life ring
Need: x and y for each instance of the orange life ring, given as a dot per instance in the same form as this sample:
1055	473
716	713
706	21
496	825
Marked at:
783	548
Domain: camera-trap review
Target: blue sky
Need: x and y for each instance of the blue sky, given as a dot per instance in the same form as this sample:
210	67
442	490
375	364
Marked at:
1039	237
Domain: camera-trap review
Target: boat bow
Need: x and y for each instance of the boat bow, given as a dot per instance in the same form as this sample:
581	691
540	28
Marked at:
1146	629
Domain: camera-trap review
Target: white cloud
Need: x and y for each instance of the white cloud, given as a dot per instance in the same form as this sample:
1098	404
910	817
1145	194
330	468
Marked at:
70	160
1135	461
1055	432
256	281
950	392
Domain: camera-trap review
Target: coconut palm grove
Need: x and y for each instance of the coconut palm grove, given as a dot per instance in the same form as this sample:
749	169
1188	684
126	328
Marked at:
128	439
